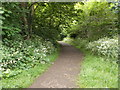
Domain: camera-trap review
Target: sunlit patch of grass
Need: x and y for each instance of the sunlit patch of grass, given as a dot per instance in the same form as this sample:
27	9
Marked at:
26	78
98	73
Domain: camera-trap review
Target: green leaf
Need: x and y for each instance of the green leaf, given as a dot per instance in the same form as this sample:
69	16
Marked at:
1	17
9	12
1	12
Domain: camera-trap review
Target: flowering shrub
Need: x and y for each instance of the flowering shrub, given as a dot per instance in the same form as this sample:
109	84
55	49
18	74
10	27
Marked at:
24	54
105	46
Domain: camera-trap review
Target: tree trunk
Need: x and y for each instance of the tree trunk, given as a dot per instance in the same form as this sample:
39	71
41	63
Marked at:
24	5
30	19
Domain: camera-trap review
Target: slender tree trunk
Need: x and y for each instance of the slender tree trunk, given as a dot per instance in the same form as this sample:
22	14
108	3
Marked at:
30	19
24	5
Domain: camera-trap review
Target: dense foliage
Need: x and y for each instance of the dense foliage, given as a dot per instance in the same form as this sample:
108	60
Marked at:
12	23
55	18
21	49
25	54
96	20
105	46
95	27
30	31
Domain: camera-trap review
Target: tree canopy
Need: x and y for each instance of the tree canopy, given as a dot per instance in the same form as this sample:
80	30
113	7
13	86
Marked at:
56	19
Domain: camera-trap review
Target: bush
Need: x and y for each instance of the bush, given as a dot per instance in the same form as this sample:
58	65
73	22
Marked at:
79	42
68	40
24	54
105	46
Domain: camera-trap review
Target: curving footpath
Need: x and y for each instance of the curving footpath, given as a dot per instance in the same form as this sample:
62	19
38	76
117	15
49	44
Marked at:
64	71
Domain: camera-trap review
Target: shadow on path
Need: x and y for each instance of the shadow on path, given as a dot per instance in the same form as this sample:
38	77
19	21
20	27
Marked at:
63	73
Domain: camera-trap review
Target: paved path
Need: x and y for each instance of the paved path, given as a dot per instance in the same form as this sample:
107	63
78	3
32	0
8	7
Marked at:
64	71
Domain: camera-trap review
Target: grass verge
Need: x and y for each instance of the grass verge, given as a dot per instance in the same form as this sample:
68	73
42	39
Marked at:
27	77
96	71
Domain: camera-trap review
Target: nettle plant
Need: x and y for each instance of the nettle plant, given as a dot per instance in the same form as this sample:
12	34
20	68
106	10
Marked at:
106	47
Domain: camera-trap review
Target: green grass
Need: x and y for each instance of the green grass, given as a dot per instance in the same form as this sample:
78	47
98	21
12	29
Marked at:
98	73
27	77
